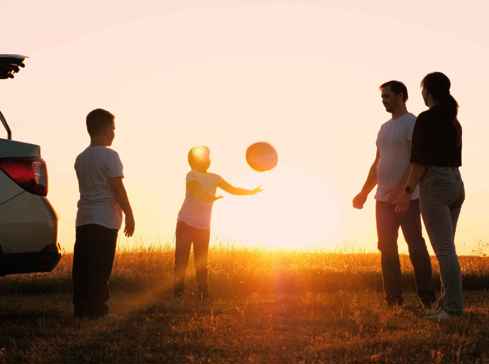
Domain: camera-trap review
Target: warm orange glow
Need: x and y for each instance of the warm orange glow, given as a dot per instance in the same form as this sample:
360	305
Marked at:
295	211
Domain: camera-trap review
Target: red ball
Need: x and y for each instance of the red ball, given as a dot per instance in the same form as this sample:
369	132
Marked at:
261	156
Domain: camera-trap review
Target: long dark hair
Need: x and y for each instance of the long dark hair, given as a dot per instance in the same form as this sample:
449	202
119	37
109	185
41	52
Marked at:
438	85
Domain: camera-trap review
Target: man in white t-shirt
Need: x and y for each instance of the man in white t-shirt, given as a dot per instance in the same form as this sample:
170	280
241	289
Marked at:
389	172
103	200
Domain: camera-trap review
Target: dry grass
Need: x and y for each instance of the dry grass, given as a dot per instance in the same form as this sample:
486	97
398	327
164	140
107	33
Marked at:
266	308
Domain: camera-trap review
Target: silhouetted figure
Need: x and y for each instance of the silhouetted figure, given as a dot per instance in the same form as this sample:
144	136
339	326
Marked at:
103	199
194	218
435	157
389	172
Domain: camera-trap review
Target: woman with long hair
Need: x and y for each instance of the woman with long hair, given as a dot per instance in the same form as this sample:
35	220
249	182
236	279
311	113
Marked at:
435	160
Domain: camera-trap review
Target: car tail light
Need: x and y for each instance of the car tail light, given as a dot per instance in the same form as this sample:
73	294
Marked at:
29	173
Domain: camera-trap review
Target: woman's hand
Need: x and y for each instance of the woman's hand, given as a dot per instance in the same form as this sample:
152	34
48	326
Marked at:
394	193
401	202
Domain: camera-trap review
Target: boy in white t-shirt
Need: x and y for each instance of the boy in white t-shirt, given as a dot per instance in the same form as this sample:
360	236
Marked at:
194	218
103	199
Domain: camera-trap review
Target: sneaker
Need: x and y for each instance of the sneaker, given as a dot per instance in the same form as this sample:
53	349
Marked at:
204	297
441	315
431	311
395	303
178	296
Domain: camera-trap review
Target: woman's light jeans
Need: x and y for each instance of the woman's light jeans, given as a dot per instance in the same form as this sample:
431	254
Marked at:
441	196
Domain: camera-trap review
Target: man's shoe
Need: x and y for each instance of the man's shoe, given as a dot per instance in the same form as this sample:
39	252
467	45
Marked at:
395	302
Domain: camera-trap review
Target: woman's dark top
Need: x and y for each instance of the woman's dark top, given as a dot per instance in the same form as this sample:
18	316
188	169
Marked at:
437	139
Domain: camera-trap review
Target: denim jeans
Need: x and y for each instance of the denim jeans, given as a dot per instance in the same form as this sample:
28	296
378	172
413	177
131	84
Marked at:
187	235
442	195
388	223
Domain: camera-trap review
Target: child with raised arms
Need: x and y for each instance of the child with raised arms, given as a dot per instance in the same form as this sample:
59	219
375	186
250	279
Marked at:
194	218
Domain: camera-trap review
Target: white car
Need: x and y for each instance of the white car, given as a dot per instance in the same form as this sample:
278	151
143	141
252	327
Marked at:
28	222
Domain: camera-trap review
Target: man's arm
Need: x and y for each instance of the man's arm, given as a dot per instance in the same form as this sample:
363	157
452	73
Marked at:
368	186
226	186
120	194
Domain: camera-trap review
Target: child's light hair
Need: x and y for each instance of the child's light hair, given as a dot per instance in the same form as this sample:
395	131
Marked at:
199	157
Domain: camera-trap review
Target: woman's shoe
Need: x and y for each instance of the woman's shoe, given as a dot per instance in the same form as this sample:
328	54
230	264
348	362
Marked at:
440	315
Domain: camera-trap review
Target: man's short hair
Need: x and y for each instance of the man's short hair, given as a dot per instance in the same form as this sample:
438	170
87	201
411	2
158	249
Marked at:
98	120
397	87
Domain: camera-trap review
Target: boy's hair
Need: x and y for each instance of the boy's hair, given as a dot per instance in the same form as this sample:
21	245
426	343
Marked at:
397	87
98	120
198	156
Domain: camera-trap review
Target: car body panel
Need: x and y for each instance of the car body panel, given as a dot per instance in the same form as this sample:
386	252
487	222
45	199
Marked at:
8	189
27	224
15	149
33	262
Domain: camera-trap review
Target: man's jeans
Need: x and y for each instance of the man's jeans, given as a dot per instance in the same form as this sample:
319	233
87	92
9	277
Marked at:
442	195
388	223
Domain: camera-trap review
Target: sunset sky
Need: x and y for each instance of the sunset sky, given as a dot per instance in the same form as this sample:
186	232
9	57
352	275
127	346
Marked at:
303	75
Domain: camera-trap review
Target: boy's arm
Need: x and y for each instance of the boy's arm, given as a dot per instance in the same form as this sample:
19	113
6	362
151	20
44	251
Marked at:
120	194
195	190
226	186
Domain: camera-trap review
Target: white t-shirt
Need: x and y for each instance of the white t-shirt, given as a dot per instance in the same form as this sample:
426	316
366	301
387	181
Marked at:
195	212
97	204
394	146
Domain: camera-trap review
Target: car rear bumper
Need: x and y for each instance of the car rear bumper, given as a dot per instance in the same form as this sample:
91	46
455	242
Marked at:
31	262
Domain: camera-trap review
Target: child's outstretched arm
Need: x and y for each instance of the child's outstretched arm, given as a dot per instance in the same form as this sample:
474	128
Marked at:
195	190
226	186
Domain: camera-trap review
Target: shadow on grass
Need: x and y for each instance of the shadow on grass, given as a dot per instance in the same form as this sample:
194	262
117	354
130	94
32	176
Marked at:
280	333
236	286
27	317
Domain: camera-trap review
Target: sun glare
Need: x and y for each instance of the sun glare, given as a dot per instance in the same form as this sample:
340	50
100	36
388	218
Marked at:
295	212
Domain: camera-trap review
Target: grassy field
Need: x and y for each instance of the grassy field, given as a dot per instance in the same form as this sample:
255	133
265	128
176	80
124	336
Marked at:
266	308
